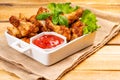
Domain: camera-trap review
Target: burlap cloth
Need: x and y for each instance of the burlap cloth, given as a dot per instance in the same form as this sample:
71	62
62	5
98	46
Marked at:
29	69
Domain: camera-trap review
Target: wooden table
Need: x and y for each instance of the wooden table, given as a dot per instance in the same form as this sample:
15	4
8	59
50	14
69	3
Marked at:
103	65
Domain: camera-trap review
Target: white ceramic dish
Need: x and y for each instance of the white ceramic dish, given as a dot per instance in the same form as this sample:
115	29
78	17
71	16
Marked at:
50	49
54	55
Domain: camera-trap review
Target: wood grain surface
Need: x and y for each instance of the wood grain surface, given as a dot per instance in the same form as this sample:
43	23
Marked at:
103	65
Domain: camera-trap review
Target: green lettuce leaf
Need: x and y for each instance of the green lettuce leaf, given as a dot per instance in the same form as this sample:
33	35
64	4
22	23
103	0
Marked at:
63	20
55	19
90	21
43	16
61	7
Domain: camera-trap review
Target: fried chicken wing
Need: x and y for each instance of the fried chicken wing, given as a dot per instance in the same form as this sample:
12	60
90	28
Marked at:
37	23
73	16
42	10
14	31
28	29
14	21
77	29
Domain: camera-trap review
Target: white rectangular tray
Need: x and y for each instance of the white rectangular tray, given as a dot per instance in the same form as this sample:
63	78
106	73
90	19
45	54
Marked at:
54	56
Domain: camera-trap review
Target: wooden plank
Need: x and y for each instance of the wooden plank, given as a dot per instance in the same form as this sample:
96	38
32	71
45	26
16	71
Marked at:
74	75
4	75
109	49
6	12
107	58
3	27
115	40
46	1
92	75
103	65
101	62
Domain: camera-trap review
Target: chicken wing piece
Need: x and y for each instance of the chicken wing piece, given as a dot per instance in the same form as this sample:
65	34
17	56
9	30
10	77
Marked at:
42	10
27	29
74	15
50	26
33	20
77	29
14	31
63	30
37	23
22	28
14	21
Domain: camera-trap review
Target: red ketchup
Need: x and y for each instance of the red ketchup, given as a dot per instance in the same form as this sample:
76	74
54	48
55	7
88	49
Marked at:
48	41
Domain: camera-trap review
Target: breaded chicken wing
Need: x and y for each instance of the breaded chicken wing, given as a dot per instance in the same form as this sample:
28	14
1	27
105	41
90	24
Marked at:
42	10
37	23
14	31
77	29
14	21
27	29
73	16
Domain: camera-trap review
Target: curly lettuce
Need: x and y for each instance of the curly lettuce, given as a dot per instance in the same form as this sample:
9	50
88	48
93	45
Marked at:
90	21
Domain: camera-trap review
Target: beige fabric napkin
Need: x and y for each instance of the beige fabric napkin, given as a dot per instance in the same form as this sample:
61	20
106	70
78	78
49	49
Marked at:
29	69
